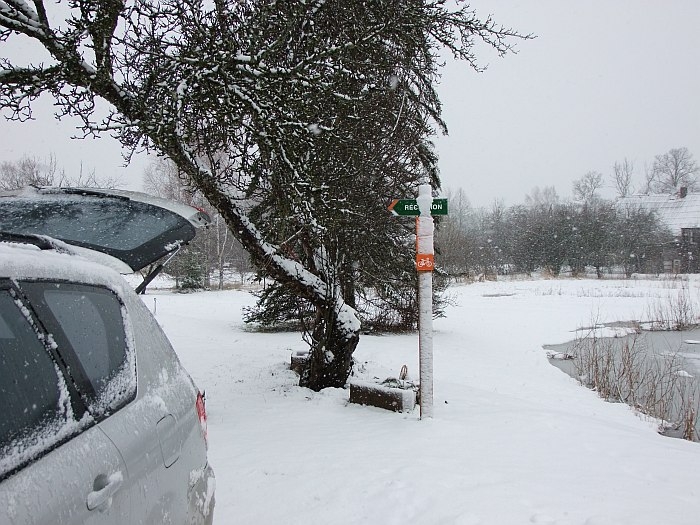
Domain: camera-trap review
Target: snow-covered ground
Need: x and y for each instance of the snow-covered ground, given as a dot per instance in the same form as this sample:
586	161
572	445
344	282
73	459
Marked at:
513	439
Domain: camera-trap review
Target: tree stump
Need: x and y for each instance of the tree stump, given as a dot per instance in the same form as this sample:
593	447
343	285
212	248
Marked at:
381	396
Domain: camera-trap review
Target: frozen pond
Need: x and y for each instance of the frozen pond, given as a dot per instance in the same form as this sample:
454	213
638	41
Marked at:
686	344
657	372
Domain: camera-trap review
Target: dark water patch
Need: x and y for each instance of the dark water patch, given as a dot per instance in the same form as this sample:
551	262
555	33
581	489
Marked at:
656	372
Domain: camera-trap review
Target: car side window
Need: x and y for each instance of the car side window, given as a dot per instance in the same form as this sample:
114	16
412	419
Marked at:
32	392
88	327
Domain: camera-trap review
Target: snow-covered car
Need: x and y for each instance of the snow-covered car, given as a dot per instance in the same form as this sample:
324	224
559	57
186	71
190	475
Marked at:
101	423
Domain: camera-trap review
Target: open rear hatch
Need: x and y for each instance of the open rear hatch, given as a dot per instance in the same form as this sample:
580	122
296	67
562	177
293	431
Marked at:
135	228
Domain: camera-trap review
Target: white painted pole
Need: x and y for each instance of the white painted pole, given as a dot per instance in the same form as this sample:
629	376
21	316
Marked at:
424	264
425	343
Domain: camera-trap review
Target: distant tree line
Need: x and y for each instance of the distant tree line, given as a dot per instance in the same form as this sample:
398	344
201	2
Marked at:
542	234
550	235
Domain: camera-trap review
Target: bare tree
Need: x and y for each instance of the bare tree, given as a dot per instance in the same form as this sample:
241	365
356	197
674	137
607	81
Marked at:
586	187
28	171
673	170
649	179
622	177
162	178
542	197
454	237
32	171
216	245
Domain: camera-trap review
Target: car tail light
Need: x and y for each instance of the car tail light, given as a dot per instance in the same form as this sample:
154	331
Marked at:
202	413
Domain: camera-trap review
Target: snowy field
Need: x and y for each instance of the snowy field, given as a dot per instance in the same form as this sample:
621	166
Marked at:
513	441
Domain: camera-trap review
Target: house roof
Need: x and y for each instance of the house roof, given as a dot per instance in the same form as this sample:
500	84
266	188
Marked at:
672	210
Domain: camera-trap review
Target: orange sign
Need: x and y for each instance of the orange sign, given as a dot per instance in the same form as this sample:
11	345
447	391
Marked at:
425	262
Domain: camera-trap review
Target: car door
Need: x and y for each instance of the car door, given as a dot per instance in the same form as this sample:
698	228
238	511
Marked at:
81	481
170	448
89	326
56	465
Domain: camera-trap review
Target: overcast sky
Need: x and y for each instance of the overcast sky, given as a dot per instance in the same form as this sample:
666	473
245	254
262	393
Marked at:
604	80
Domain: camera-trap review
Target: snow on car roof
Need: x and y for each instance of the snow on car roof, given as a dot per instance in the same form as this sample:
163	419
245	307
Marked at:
26	261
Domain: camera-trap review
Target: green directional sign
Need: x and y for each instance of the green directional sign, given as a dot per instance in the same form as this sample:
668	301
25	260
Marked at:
409	207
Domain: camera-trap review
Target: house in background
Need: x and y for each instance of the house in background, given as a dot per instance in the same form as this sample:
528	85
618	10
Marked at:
680	213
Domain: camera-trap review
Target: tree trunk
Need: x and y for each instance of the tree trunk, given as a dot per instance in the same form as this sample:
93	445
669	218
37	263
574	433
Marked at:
330	357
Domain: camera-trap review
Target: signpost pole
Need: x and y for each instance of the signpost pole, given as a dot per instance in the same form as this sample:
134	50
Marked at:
424	265
423	208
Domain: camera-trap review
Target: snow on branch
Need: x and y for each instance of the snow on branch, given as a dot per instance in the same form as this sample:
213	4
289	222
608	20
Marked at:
18	16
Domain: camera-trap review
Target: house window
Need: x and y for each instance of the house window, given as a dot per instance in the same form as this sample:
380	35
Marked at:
690	235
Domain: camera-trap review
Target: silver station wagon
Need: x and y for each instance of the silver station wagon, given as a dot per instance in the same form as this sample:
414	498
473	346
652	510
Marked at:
100	421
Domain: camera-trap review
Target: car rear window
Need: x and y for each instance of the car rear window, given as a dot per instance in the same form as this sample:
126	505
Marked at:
88	326
117	223
134	232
